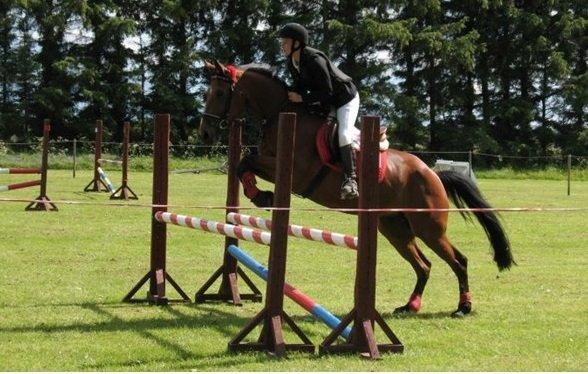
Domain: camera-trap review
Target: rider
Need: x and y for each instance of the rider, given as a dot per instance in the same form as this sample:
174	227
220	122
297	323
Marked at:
320	85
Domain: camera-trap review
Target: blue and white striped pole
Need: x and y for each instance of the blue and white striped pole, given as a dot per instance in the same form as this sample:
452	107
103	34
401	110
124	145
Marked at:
105	179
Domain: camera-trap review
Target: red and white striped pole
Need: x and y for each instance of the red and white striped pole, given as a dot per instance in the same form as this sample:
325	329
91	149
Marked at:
237	232
20	171
16	186
303	232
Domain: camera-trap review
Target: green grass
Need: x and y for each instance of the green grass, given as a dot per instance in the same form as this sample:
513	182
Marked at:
547	173
65	273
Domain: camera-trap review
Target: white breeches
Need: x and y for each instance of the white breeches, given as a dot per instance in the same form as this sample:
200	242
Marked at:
347	116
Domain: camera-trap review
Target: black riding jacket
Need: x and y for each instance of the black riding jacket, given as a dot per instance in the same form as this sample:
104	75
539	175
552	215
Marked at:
320	83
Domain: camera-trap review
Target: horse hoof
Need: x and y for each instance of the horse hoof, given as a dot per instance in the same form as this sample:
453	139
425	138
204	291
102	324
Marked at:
462	310
405	309
263	199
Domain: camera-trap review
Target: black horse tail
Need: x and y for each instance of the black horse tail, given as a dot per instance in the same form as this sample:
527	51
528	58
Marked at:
463	192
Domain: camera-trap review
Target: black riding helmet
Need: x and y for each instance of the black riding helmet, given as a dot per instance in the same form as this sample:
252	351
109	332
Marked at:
295	31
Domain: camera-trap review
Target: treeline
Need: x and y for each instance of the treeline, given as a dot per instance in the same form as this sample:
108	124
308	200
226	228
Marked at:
497	76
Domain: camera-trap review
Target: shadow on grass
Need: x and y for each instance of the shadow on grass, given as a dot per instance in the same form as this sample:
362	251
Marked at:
89	195
425	316
226	323
196	362
110	304
184	357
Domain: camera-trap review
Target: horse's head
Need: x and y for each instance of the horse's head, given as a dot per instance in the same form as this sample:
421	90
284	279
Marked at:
231	89
218	101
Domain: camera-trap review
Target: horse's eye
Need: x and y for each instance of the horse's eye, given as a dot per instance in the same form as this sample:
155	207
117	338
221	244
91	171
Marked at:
220	94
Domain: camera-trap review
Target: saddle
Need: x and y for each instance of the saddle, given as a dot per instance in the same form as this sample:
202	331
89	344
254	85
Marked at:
327	146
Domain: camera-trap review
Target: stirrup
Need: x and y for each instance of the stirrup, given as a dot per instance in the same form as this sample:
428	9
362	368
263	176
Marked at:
349	189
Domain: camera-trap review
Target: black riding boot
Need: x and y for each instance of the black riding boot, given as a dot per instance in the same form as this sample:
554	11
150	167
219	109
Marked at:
349	187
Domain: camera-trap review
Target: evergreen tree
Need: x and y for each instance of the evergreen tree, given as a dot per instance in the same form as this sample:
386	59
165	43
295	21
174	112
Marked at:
26	75
103	81
9	118
498	76
53	97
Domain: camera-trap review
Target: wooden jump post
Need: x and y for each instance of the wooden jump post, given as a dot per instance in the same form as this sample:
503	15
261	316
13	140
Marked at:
124	192
229	271
97	184
100	182
42	202
157	274
272	316
364	314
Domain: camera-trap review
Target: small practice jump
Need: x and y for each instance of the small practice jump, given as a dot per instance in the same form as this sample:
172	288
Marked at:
42	202
100	181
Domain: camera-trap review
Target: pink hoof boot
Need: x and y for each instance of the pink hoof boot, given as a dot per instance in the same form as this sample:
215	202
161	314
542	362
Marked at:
465	305
414	303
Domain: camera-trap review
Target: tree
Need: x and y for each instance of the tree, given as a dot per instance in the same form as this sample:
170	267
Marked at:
9	118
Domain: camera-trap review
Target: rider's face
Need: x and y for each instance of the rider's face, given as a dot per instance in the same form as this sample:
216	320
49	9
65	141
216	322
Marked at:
286	45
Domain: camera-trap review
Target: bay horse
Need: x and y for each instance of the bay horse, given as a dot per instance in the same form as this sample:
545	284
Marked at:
408	182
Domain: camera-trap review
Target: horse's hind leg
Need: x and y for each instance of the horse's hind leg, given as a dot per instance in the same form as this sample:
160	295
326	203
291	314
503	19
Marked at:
396	229
458	263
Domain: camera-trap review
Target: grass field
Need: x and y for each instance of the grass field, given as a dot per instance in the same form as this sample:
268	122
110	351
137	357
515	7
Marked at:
65	273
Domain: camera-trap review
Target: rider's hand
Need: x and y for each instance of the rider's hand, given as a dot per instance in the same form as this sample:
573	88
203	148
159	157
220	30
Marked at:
294	97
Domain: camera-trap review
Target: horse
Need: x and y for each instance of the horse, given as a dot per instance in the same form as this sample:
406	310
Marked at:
407	183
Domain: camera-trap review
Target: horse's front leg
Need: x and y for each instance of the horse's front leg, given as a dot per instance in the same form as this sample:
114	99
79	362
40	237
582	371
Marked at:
263	167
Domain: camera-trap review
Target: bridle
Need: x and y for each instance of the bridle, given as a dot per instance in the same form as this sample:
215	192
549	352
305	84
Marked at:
222	119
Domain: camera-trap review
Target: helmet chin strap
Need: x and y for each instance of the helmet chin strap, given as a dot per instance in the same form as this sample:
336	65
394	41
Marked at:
294	49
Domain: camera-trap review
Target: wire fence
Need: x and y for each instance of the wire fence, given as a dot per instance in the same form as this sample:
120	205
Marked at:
79	147
561	165
69	147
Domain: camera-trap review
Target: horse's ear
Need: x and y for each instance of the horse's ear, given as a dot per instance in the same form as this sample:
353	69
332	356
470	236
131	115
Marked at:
208	65
220	67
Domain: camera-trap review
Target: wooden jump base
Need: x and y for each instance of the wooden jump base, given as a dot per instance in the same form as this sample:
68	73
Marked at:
100	182
42	202
302	232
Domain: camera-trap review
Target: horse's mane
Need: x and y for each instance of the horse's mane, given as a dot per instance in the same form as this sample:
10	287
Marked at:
265	70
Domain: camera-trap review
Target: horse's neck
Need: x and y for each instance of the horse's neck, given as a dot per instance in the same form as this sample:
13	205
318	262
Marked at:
266	99
265	96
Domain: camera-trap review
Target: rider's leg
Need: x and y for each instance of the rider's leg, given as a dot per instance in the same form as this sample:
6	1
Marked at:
347	115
